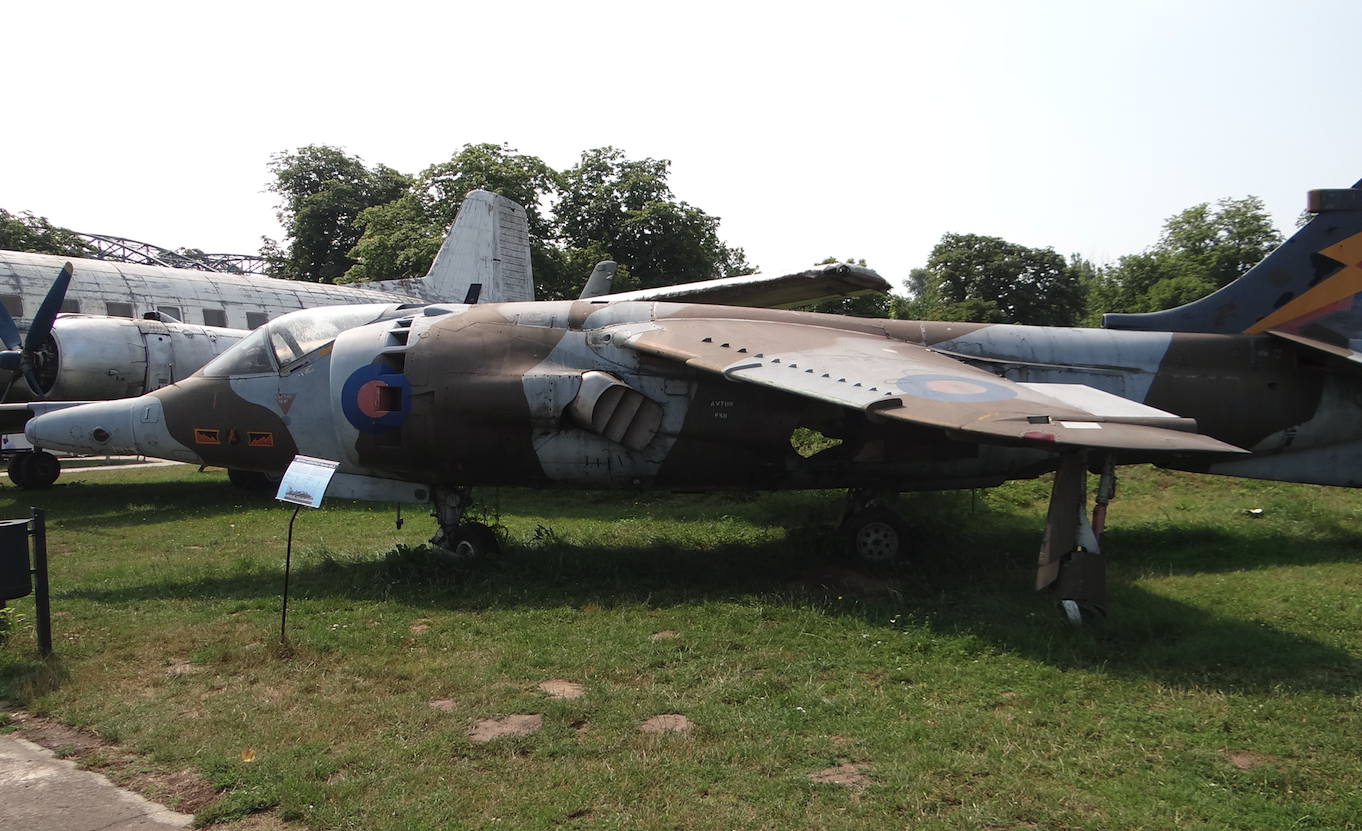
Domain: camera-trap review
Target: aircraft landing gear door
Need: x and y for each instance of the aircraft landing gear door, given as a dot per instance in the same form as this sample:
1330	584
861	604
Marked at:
160	361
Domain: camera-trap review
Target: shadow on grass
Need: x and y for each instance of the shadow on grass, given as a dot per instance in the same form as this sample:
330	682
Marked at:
983	597
81	505
972	575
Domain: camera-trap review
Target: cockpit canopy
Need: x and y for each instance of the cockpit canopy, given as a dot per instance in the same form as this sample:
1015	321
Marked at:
293	336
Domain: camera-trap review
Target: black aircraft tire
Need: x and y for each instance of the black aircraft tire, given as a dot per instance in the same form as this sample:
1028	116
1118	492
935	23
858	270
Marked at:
876	536
40	470
474	541
16	468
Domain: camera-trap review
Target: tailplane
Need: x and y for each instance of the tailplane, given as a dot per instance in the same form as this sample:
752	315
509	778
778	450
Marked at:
485	257
1308	290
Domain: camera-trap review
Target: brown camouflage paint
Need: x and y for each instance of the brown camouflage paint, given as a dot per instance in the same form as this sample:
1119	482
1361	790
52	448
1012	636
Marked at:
235	420
469	420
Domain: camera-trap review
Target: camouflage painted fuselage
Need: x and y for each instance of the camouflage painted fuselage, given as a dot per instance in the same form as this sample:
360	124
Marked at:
492	395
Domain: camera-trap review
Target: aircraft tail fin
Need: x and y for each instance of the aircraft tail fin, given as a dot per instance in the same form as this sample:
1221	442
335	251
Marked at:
485	257
1310	287
602	276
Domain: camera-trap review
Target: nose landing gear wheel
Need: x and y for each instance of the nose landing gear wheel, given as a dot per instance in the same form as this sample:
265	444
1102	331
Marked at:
474	541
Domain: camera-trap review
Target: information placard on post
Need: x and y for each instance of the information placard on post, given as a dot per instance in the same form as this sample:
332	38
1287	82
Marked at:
305	481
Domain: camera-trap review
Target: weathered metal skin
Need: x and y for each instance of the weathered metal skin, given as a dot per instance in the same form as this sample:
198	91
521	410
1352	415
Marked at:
1204	377
701	396
482	396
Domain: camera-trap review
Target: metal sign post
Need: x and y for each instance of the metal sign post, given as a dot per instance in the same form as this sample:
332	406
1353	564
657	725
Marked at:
304	483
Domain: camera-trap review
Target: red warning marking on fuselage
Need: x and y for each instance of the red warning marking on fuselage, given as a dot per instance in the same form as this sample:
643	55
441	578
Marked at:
285	401
259	439
207	436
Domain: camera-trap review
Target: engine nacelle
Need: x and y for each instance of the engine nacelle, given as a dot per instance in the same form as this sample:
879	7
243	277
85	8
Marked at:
99	358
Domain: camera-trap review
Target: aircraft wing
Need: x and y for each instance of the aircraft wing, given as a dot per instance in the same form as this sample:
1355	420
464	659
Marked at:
13	417
829	282
905	382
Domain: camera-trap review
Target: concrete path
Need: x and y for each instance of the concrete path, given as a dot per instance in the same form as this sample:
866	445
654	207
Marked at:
39	792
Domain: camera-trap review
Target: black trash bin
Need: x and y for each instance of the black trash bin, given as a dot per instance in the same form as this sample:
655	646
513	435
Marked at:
16	576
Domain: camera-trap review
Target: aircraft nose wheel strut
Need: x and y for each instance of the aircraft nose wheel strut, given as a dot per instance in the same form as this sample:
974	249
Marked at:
463	540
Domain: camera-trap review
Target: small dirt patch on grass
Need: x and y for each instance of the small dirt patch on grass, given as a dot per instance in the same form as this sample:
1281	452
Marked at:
517	725
667	723
847	774
559	688
1247	759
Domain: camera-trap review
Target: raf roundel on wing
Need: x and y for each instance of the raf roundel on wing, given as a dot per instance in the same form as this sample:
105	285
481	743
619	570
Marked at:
954	388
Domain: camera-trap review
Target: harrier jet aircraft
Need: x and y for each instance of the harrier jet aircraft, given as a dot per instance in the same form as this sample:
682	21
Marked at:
1262	379
82	357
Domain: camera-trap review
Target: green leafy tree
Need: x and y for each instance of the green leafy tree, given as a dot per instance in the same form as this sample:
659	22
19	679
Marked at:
400	239
348	223
987	279
919	302
36	235
1202	249
625	210
323	192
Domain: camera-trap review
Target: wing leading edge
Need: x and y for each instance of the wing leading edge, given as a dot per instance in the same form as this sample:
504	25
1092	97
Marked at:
900	381
779	291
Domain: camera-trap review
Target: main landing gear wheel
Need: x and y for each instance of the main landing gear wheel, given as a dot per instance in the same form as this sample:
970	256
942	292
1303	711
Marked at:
16	468
34	469
876	535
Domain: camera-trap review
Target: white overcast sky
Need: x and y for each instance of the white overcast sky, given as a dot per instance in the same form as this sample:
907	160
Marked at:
847	129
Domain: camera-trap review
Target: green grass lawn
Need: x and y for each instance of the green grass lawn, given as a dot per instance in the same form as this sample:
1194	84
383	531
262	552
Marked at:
1223	690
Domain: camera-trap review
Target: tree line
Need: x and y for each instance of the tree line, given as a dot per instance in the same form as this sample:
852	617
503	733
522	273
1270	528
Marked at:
345	221
987	279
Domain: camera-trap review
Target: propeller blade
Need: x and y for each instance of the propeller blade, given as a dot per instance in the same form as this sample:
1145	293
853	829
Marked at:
47	312
33	386
9	332
12	360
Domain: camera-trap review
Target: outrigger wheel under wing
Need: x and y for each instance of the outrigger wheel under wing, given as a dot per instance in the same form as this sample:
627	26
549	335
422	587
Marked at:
891	381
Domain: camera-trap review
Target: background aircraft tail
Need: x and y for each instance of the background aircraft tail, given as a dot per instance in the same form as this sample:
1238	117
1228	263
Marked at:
485	257
602	278
1309	290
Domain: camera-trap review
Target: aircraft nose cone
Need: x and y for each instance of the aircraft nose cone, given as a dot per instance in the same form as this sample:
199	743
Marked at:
130	427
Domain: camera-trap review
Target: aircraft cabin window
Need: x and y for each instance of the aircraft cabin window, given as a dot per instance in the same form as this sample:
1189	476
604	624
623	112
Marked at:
254	320
70	307
173	311
118	309
14	304
215	317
